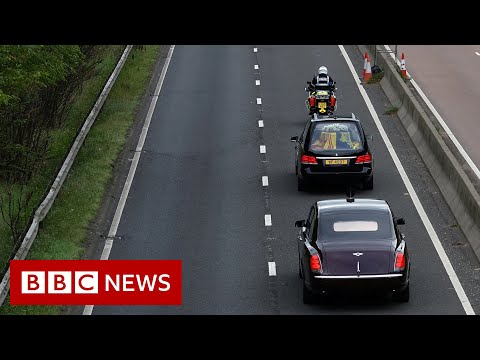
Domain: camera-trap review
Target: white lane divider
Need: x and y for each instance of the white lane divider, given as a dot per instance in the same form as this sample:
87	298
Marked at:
272	269
418	205
265	180
268	220
476	52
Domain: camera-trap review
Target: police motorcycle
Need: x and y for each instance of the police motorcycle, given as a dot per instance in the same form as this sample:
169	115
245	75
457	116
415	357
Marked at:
321	98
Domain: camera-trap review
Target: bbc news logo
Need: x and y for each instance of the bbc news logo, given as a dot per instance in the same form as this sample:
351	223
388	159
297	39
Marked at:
59	282
95	282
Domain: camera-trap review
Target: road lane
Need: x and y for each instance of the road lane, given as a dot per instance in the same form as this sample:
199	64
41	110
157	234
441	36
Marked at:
203	188
197	194
284	116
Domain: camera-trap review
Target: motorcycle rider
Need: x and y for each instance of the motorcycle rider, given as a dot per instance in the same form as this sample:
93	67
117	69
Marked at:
322	79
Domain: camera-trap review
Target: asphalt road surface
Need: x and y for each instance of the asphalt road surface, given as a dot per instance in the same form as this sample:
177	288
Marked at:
198	195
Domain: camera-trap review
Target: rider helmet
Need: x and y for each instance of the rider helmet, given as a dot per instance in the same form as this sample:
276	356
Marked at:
322	70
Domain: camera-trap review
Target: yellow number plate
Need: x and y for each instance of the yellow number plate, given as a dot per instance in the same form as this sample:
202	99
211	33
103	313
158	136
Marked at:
322	107
336	162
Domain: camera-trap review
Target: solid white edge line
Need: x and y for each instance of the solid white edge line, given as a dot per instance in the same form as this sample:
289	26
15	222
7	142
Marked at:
107	248
126	187
268	220
255	67
259	101
441	121
272	269
418	205
260	123
265	180
263	149
257	82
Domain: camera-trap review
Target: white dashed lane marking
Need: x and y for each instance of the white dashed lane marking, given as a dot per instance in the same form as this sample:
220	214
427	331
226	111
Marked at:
265	180
476	52
268	220
272	269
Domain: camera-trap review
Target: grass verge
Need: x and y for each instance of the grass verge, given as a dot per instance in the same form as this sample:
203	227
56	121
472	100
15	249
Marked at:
391	110
64	230
376	78
61	140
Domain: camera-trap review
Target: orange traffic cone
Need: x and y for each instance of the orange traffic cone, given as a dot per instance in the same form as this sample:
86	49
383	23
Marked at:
368	71
403	68
365	64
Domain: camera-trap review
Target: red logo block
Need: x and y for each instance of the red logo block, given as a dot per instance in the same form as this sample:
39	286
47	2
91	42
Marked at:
95	282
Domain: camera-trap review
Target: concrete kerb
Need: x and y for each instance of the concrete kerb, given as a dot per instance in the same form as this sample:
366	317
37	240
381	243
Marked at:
456	188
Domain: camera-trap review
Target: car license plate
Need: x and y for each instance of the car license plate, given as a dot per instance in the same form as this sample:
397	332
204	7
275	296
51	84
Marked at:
336	162
322	106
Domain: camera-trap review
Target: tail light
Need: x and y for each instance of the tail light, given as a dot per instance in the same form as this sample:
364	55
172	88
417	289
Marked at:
312	102
315	263
399	261
364	159
309	160
332	101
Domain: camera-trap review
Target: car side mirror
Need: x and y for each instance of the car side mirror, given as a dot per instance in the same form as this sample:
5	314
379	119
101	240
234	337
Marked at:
400	221
300	223
402	235
294	139
309	82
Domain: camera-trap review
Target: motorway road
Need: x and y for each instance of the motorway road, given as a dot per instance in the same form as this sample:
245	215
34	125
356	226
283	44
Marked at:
198	196
449	76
